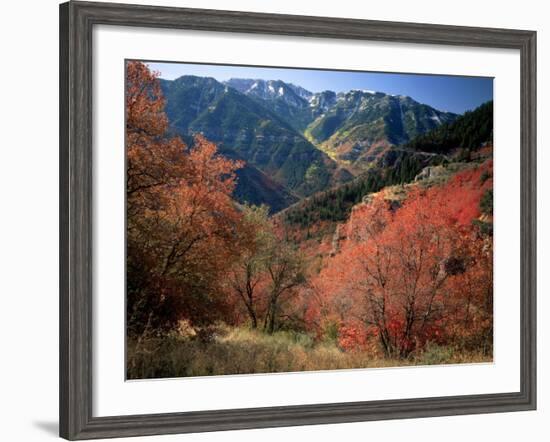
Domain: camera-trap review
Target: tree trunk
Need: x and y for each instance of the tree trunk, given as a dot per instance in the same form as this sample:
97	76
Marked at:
270	317
253	319
271	328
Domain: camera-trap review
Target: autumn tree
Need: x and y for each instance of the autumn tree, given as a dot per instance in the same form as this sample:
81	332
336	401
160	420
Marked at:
285	269
415	271
181	220
250	268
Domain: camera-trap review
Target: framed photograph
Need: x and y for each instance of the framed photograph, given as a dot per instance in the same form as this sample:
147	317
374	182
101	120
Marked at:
271	220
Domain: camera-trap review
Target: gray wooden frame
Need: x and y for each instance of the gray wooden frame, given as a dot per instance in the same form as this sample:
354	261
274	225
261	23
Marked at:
76	244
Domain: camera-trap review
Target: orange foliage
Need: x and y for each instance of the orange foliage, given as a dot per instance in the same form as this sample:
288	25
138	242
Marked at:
413	274
405	273
181	220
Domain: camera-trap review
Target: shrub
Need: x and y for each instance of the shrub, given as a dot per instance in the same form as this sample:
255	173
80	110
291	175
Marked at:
434	354
486	203
484	176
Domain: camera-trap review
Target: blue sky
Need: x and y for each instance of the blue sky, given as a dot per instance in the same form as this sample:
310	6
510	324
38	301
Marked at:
443	92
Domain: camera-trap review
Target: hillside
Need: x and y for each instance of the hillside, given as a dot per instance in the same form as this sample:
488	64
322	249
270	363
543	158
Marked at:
297	143
431	157
288	101
469	131
255	187
361	125
335	205
245	129
353	128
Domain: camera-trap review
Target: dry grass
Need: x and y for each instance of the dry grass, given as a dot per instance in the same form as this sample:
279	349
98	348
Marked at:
244	351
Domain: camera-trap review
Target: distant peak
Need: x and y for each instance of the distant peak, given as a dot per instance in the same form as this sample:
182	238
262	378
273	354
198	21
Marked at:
195	79
276	87
365	91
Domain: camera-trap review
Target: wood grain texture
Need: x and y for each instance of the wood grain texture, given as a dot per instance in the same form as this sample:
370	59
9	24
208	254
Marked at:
76	242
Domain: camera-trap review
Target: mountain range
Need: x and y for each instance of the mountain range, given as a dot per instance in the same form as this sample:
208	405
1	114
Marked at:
295	142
